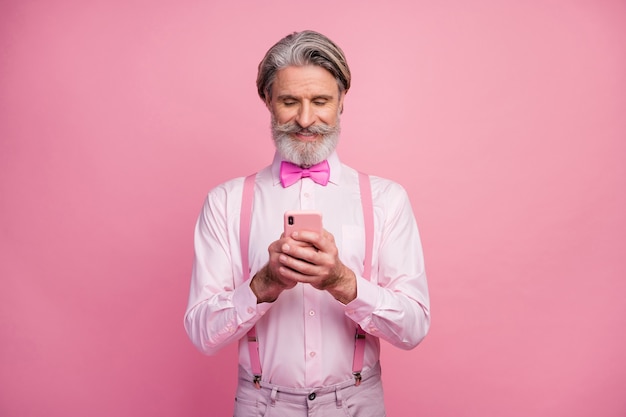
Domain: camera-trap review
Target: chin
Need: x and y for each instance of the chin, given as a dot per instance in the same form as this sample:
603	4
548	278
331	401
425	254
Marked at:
305	153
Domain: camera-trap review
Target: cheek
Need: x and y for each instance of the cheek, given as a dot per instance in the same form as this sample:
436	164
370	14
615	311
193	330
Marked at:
283	116
328	117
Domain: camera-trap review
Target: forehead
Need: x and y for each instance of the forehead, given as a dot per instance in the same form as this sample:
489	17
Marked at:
304	81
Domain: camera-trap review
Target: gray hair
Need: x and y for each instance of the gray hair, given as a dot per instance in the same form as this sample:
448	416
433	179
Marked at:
298	49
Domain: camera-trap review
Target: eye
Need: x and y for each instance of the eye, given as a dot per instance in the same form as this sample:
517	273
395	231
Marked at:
288	103
320	102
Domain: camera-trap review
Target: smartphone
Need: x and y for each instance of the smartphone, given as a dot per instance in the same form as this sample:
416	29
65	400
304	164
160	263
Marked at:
296	220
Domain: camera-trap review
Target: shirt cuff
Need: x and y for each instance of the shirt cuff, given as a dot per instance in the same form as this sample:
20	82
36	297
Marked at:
245	303
366	301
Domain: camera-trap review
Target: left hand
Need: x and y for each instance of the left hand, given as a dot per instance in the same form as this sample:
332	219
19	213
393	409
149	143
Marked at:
313	258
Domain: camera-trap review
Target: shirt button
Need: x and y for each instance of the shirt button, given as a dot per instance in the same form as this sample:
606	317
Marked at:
312	396
250	310
311	312
312	354
307	195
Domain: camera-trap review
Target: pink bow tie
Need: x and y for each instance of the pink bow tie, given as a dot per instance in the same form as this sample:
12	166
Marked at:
291	173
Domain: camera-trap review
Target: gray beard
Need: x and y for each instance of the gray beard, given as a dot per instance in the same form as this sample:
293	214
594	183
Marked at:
305	154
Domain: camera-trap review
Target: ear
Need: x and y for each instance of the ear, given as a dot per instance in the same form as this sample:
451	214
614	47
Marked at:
342	95
268	102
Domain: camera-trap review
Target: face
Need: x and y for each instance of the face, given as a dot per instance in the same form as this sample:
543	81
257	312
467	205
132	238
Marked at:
305	105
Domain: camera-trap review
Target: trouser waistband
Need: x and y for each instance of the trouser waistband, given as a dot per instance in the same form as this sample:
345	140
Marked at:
318	394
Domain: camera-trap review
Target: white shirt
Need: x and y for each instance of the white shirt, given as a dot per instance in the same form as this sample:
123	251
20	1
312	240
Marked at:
306	337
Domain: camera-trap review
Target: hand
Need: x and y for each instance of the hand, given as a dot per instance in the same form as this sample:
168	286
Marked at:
268	283
313	258
306	257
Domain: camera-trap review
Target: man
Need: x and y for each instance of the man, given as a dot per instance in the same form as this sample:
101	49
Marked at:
305	295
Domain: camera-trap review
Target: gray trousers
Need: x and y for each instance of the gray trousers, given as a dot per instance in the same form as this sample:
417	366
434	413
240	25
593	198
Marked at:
341	400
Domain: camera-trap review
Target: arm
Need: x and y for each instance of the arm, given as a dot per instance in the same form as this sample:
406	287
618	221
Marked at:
219	312
396	308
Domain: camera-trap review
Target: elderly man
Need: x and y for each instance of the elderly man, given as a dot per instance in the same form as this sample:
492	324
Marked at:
308	309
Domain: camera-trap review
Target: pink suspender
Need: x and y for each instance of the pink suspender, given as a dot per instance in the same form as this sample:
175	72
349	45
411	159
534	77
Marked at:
245	220
244	239
368	220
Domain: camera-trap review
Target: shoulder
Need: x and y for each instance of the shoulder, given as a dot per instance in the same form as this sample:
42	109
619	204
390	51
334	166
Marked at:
226	190
387	194
229	193
384	189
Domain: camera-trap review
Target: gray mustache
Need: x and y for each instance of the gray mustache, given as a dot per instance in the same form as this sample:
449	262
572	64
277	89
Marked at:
296	128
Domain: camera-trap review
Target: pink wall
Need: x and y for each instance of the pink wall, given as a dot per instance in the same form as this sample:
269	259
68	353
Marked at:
505	121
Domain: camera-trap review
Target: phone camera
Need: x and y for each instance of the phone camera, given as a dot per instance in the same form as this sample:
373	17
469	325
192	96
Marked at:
290	220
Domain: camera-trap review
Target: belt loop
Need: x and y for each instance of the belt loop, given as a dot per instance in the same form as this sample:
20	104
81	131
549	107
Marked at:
338	397
273	396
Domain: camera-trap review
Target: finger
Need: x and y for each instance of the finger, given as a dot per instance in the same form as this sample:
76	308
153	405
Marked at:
324	241
292	275
306	236
308	253
299	265
295	244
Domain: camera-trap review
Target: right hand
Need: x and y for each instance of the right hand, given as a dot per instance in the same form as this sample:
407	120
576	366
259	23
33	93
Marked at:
269	282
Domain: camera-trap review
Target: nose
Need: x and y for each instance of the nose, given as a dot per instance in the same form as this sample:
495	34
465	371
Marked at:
306	115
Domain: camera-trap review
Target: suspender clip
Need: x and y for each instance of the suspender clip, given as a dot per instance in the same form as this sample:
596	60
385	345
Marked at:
357	378
257	381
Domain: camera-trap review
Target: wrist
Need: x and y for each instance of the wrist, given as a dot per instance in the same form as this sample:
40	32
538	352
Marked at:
263	287
345	290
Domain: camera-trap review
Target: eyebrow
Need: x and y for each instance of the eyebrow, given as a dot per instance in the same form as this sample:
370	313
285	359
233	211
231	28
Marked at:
318	97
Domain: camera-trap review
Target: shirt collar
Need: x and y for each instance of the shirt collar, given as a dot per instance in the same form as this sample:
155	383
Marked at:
333	162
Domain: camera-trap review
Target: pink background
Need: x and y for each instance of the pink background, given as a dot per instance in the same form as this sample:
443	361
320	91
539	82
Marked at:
505	121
